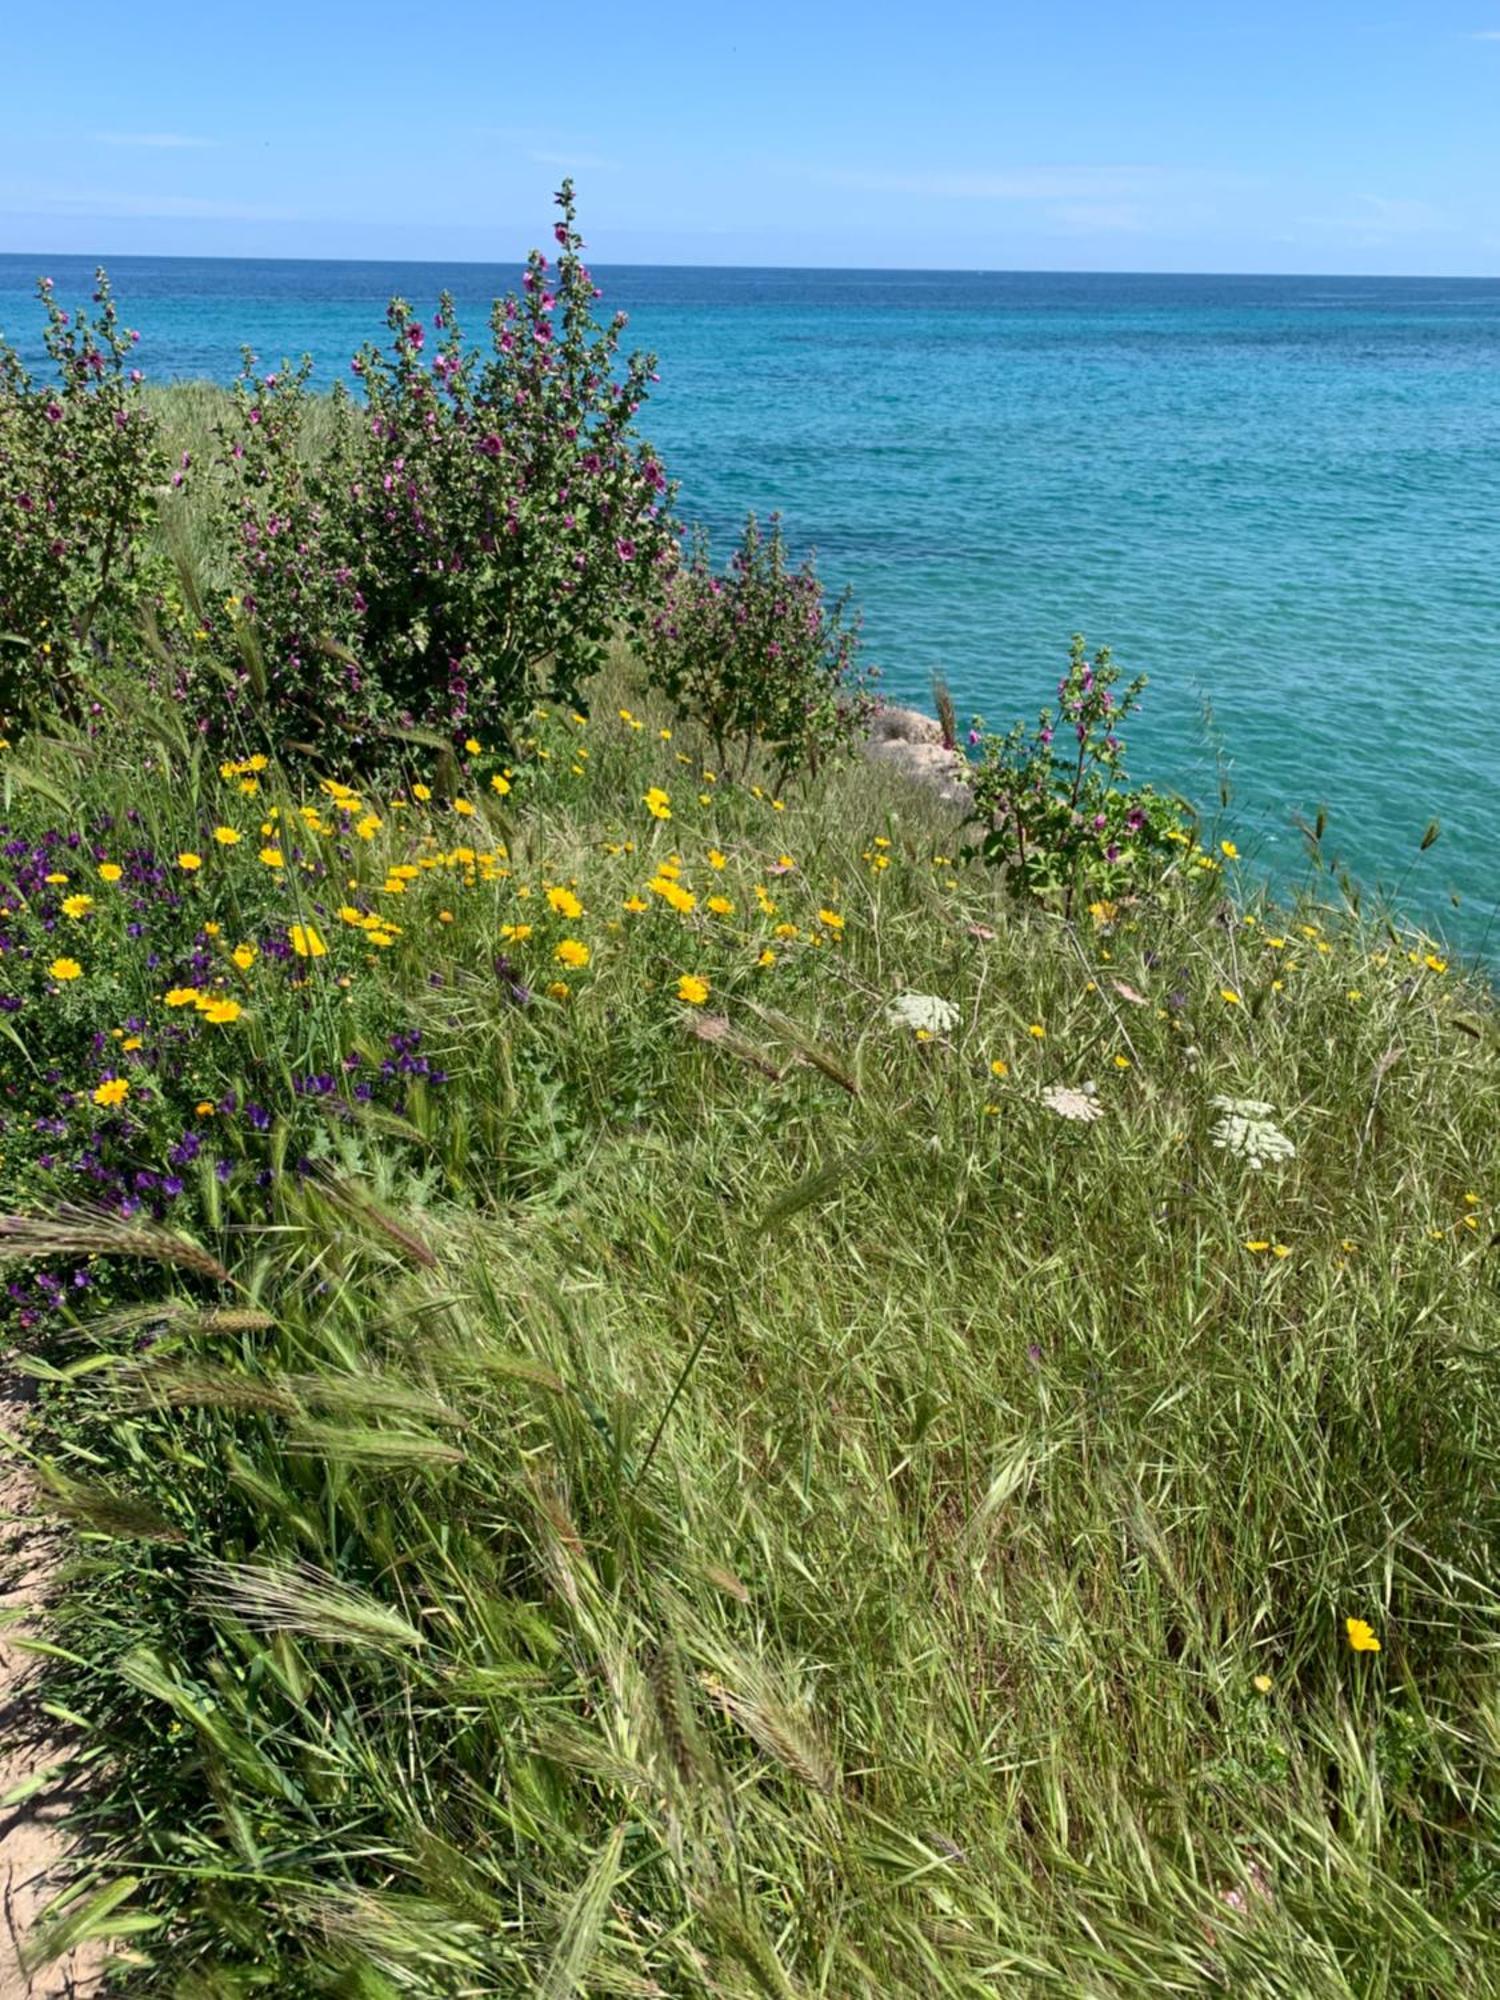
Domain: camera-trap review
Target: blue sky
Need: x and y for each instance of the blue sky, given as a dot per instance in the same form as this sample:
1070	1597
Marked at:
1170	135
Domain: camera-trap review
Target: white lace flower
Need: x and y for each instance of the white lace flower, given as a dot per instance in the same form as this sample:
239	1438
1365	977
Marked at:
1247	1129
1081	1105
924	1012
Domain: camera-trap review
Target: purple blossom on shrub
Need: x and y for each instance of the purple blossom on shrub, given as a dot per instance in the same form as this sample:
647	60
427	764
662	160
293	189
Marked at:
80	472
757	655
1062	826
472	537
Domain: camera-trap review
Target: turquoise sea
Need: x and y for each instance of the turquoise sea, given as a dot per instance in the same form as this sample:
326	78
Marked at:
1280	497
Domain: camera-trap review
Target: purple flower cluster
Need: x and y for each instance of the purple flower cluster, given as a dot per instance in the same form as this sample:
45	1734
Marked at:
155	1150
477	516
44	1292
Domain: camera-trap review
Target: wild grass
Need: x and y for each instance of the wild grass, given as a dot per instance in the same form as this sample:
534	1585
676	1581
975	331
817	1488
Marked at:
751	1501
190	414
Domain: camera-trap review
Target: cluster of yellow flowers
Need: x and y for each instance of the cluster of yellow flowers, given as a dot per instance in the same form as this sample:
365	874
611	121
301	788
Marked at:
378	930
245	770
469	864
215	1007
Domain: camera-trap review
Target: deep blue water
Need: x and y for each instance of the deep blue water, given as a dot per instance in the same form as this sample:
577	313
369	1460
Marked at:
1280	497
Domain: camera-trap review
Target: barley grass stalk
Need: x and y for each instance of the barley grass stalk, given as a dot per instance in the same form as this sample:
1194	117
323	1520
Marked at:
75	1230
303	1599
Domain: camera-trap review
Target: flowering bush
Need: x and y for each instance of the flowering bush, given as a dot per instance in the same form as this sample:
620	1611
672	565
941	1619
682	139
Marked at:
471	536
81	466
1061	822
757	655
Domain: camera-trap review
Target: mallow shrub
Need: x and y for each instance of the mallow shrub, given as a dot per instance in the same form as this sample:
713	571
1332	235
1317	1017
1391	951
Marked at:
1054	804
465	537
82	471
757	655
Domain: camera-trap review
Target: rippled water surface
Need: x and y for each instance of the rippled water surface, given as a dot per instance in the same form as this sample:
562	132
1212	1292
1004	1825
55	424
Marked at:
1278	497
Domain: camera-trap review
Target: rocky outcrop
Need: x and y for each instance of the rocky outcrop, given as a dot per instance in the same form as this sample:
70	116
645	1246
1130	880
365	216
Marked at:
912	743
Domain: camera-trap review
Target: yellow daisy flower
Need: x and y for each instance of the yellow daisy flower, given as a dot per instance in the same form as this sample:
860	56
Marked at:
1361	1636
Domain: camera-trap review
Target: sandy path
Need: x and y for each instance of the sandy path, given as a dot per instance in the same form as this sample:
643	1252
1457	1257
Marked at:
32	1845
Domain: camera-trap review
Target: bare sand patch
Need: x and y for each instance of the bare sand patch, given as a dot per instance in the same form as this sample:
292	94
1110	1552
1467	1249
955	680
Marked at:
33	1838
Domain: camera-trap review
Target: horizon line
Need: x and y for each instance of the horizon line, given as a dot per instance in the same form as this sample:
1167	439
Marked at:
873	270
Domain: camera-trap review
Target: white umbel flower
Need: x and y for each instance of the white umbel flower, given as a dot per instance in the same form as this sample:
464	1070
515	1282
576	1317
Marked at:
1248	1130
924	1012
1081	1105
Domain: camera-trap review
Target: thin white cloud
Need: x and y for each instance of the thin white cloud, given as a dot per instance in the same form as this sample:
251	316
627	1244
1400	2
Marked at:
1018	184
112	204
1400	213
1380	217
166	142
583	163
1090	218
1485	35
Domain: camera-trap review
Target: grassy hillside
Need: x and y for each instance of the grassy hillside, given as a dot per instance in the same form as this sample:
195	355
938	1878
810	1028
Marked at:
661	1476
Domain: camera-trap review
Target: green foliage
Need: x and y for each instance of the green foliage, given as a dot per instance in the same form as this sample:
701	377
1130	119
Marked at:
664	1390
469	537
81	468
1064	822
471	534
751	1497
756	657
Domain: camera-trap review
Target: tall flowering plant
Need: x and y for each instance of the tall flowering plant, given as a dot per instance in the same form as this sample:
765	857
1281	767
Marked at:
288	470
757	655
479	528
81	469
1054	804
